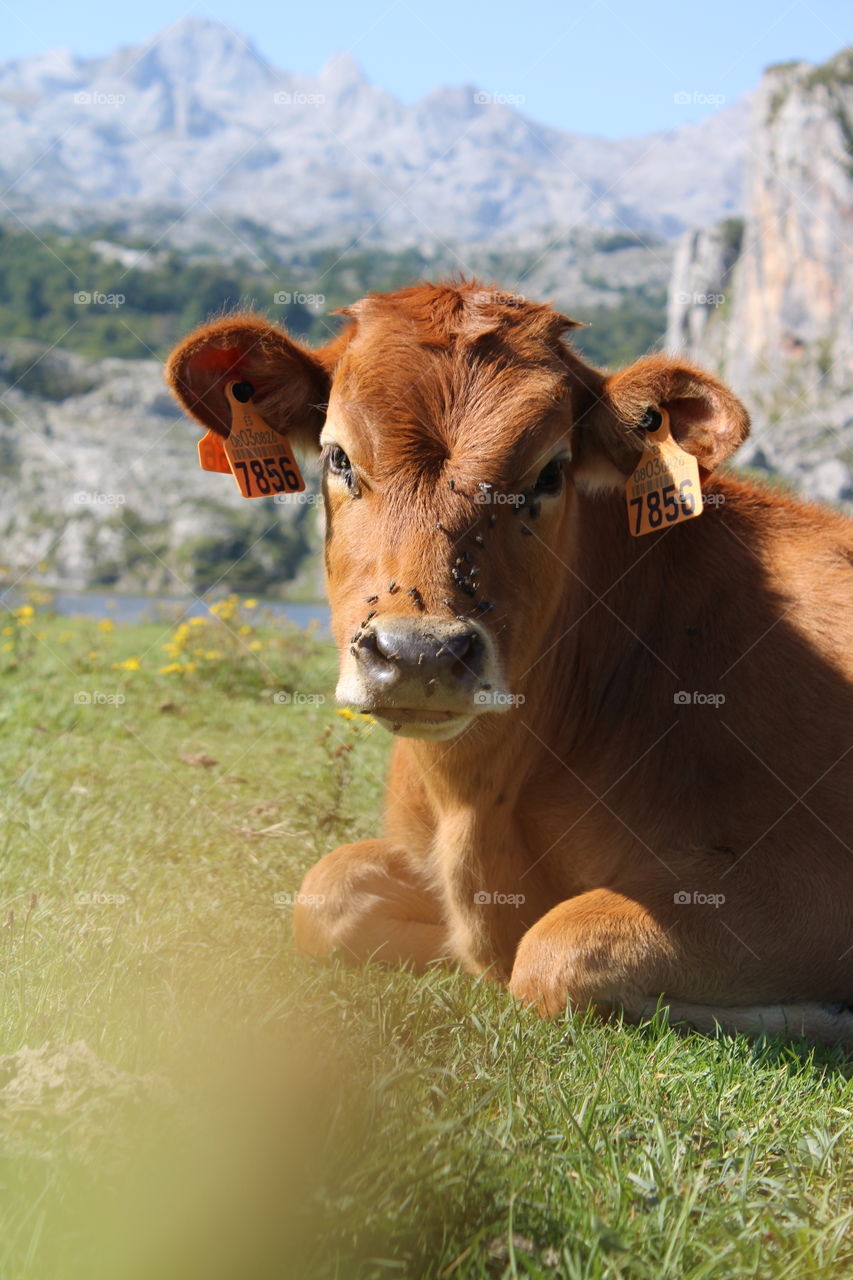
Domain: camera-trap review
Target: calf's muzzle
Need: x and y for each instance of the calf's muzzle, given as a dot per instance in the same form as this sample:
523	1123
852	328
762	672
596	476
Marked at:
423	677
446	657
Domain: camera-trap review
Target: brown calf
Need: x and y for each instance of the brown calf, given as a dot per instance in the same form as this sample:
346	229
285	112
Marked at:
624	763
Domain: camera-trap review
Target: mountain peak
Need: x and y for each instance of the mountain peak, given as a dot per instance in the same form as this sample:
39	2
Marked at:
342	72
199	49
201	32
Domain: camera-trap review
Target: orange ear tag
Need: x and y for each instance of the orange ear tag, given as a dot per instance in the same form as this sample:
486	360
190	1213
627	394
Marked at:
211	454
664	489
261	459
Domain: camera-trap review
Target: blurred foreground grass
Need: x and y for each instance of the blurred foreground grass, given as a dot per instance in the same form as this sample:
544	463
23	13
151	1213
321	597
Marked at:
181	1097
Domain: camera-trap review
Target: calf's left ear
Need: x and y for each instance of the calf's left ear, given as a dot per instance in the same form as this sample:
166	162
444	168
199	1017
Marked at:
706	418
290	383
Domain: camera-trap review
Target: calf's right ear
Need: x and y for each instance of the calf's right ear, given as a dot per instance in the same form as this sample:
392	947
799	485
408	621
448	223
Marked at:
291	382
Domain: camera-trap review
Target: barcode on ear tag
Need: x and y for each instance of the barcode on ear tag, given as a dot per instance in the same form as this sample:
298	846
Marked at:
664	488
261	459
211	454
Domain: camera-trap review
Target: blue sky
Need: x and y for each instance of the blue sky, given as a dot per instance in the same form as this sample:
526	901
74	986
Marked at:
610	67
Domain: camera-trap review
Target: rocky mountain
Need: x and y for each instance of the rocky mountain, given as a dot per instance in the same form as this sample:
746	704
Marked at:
194	135
769	302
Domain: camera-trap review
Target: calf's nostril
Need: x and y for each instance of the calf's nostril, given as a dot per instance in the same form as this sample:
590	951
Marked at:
455	651
457	647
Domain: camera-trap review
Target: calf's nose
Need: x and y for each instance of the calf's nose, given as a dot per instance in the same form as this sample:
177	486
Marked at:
397	649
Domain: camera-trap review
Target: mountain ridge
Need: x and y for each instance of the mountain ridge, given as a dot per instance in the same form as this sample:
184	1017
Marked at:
196	123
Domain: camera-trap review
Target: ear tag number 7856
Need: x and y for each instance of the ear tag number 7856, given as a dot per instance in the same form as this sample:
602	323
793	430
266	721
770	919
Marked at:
260	459
664	487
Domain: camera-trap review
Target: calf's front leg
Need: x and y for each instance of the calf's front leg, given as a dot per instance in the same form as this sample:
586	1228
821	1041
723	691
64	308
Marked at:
366	901
607	951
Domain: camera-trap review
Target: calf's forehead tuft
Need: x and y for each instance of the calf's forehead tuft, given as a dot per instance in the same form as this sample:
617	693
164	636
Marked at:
454	364
454	315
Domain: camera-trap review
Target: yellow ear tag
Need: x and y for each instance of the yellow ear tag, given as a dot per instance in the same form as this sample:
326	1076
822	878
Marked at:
664	489
261	459
211	454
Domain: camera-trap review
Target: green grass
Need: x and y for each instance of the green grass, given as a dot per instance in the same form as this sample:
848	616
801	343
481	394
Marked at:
315	1121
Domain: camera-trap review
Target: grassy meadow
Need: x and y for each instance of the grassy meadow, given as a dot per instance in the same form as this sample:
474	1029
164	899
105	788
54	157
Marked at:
183	1098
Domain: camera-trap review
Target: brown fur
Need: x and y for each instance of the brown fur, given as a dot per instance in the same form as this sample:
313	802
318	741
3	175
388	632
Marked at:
600	798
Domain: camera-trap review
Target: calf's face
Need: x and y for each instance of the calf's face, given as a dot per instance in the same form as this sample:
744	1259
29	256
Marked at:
457	430
445	476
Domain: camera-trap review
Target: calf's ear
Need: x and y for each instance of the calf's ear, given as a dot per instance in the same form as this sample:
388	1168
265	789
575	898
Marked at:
291	382
706	418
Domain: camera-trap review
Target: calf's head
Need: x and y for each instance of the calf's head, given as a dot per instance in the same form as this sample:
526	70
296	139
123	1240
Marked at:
460	436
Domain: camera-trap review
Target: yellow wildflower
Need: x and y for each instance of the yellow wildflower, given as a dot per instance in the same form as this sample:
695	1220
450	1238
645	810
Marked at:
7	646
129	664
197	622
24	613
244	630
250	604
345	713
225	609
106	624
171	669
8	631
255	644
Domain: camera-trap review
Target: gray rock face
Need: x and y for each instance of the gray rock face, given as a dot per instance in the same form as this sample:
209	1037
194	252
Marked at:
701	272
99	486
780	326
197	125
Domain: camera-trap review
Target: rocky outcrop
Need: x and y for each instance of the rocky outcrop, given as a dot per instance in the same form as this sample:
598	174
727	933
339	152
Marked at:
774	312
99	487
701	277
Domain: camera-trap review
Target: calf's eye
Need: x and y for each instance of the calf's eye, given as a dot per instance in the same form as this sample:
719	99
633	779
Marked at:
339	464
550	478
